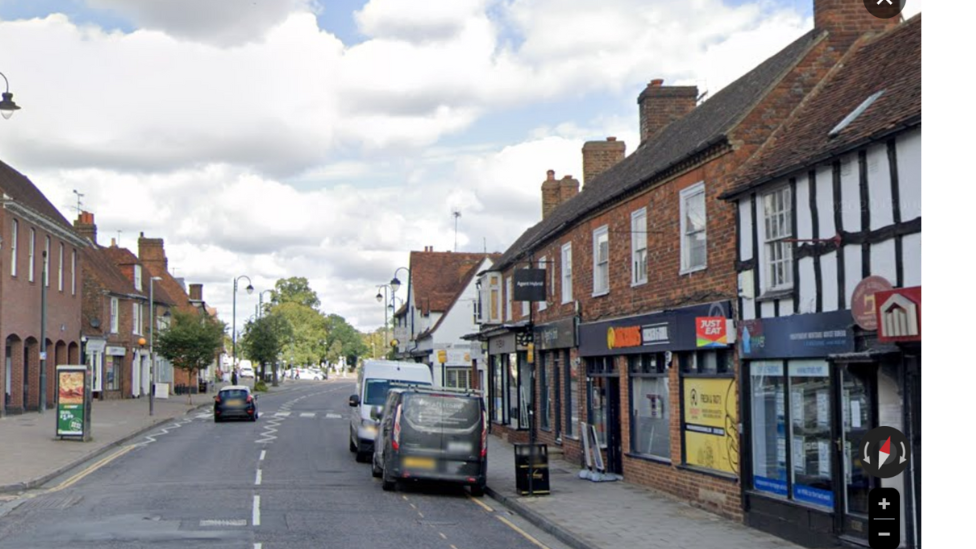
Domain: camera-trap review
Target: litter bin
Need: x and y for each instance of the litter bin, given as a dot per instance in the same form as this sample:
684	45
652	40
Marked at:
538	456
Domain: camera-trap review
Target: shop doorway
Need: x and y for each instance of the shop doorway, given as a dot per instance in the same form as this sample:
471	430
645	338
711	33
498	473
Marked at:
858	390
604	415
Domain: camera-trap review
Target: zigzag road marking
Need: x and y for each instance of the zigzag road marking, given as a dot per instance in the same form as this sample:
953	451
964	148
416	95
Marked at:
150	438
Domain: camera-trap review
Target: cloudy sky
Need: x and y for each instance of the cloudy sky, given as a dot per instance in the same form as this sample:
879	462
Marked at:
328	138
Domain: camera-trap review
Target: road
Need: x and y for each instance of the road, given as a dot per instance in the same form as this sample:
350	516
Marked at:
285	481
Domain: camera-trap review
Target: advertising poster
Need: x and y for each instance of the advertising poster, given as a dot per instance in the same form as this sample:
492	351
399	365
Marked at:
711	424
71	401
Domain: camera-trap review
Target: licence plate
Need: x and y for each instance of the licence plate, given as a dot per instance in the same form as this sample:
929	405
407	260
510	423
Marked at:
418	462
235	402
459	447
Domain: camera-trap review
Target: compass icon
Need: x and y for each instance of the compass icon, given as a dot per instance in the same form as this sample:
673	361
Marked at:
884	452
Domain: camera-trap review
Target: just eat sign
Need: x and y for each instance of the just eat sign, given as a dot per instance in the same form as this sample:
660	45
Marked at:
712	331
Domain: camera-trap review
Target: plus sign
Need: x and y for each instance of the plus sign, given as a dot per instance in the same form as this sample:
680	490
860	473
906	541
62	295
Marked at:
884	503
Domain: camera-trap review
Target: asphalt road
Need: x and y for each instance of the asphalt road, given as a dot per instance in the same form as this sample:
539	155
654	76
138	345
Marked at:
285	481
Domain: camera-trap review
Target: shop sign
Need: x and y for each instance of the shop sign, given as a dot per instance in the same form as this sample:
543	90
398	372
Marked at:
95	346
673	330
623	336
714	331
530	285
560	334
115	351
797	336
504	344
711	424
863	301
73	397
899	314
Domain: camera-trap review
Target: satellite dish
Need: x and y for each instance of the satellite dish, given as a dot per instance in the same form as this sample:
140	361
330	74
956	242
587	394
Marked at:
95	323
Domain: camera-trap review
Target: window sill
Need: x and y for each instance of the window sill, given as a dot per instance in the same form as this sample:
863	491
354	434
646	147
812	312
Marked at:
652	459
708	472
692	270
637	283
601	293
773	295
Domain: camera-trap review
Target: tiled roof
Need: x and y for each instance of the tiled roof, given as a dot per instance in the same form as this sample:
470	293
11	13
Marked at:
103	267
19	187
437	277
704	127
472	272
892	63
124	256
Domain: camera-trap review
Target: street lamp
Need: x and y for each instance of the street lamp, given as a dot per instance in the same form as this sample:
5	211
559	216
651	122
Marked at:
261	302
384	299
152	356
233	337
7	106
395	285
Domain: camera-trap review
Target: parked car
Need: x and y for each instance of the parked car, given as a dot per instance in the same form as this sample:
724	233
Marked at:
434	435
372	384
308	373
235	401
246	371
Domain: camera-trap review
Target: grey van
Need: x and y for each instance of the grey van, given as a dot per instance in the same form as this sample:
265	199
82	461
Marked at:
432	434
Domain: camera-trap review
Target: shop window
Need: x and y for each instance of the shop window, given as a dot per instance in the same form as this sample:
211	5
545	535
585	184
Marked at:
498	383
525	389
603	365
710	424
810	432
511	364
545	391
707	362
459	378
572	398
112	373
597	407
769	427
650	433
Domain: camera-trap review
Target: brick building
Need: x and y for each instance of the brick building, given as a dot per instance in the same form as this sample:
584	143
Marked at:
634	337
31	229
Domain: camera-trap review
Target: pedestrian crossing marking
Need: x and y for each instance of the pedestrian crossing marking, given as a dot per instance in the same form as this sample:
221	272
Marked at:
307	414
333	416
282	414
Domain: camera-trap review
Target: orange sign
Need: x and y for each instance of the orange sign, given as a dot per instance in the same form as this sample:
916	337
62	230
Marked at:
625	336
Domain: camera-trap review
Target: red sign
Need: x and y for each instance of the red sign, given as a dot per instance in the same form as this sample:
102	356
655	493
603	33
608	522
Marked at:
623	336
712	331
863	301
899	314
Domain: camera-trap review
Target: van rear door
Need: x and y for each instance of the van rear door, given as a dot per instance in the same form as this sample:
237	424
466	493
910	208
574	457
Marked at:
448	425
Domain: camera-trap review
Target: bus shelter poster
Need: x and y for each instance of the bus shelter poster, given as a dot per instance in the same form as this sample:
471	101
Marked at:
71	402
711	424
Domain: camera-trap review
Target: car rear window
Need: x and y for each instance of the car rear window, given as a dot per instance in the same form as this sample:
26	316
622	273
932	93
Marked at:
377	389
444	412
234	393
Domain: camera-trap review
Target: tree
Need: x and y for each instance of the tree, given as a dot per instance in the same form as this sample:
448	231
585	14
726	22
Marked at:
294	290
307	336
351	345
191	342
264	338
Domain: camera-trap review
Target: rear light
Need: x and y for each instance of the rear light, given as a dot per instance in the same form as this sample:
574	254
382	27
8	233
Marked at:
250	399
484	434
217	399
396	429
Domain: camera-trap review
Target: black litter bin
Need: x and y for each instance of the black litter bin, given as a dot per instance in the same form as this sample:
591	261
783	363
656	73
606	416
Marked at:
538	456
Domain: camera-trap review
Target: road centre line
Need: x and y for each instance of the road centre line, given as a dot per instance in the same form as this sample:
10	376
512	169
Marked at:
256	512
521	531
262	455
257	478
257	545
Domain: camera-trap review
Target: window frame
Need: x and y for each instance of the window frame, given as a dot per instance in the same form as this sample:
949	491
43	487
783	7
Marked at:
639	372
31	251
74	267
61	267
772	243
566	257
686	195
114	315
638	235
15	229
46	273
137	276
601	233
508	299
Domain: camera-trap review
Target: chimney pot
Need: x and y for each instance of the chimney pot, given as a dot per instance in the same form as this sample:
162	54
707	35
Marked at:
661	105
611	139
113	241
550	174
656	82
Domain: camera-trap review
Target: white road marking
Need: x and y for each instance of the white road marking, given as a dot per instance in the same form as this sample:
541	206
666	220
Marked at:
257	546
282	414
262	455
257	478
333	416
256	512
204	416
224	522
307	414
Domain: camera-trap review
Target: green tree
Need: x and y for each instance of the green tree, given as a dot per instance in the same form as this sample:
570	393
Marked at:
191	342
263	339
351	345
294	290
307	335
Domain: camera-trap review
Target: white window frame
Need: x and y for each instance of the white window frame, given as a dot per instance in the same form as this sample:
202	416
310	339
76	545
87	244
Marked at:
47	261
137	276
542	304
777	228
494	299
74	266
13	248
601	263
136	318
693	192
638	247
30	255
566	270
114	315
508	298
61	267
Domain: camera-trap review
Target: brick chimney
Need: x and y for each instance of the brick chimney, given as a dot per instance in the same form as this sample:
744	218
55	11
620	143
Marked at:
599	156
85	226
568	188
661	105
551	193
847	20
152	254
196	292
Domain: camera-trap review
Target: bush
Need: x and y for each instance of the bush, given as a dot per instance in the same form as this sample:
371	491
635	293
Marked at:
260	386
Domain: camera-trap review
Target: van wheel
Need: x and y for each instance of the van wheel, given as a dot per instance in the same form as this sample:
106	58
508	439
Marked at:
478	490
363	457
388	485
352	446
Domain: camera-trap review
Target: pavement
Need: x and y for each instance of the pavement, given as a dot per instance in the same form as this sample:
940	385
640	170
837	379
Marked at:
32	455
615	515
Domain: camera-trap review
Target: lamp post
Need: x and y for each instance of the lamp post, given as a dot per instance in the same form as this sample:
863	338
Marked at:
384	298
395	285
261	302
152	355
7	106
233	337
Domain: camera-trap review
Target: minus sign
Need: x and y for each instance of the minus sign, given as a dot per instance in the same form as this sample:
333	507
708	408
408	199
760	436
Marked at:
884	534
878	518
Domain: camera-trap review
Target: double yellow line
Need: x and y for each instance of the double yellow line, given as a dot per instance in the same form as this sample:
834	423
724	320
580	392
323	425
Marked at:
510	524
92	468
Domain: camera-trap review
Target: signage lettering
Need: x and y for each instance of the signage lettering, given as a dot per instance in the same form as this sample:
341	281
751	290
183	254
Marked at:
655	333
626	336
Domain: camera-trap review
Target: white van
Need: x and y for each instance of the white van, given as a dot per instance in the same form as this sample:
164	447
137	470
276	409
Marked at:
372	385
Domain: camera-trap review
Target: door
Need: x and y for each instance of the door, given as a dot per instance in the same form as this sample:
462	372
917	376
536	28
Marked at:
614	439
857	400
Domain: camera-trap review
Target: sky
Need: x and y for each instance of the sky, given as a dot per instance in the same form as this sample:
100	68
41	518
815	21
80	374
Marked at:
327	139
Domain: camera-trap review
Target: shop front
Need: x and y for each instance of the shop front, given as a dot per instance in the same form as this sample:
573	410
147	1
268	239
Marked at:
509	385
815	384
661	394
558	387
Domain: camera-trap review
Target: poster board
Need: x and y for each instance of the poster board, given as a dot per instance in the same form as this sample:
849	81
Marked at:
73	401
586	446
711	424
595	445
